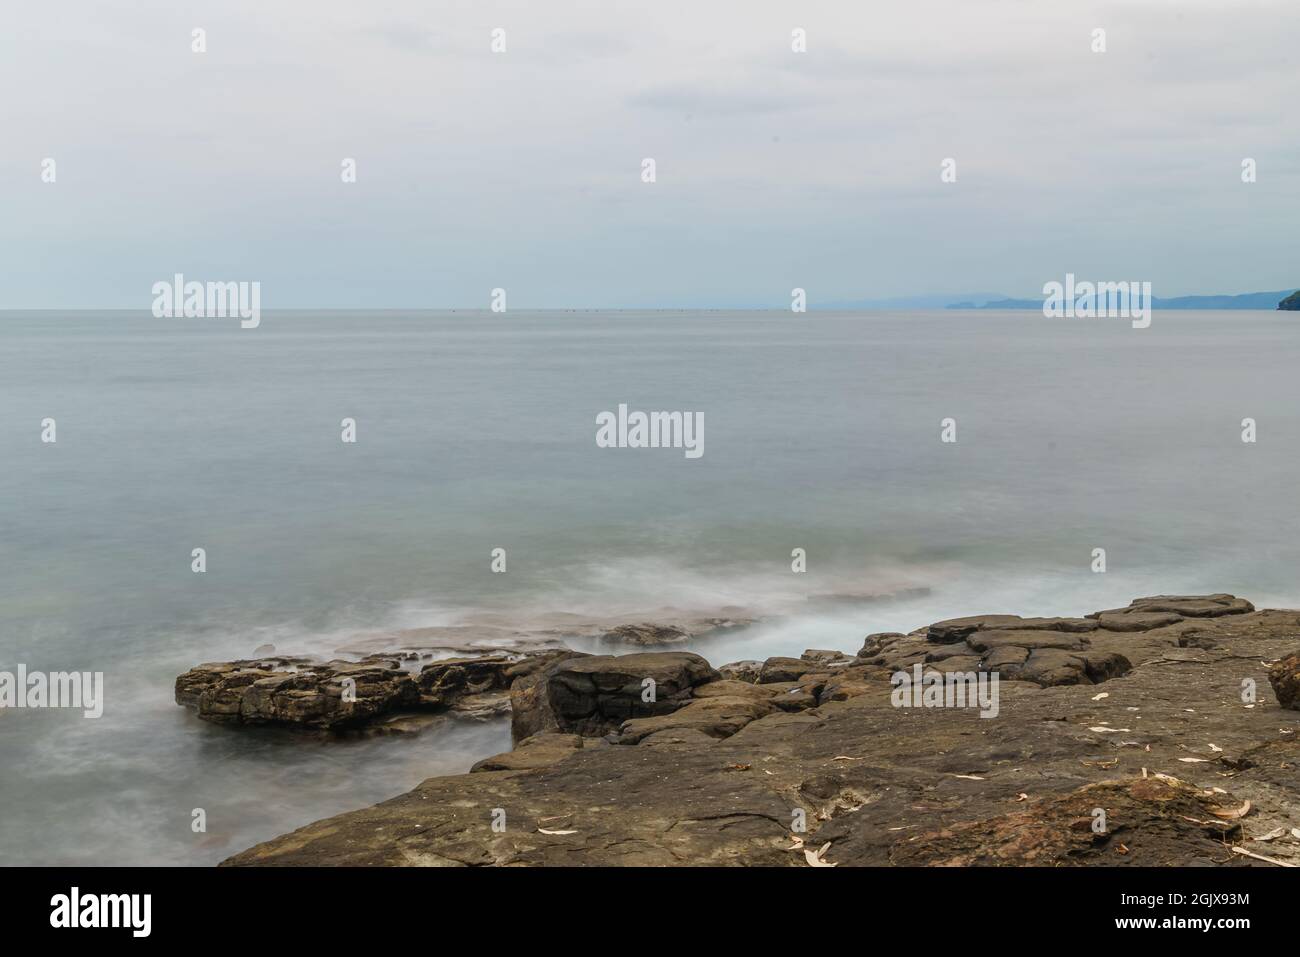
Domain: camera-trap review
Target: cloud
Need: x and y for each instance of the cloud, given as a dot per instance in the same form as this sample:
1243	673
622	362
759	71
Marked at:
521	169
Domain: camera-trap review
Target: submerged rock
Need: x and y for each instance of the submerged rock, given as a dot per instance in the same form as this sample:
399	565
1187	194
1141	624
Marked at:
648	633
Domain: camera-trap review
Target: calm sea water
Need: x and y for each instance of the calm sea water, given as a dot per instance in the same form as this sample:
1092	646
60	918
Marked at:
477	431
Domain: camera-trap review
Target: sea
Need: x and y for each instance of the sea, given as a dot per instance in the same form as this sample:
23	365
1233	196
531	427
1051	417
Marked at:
860	472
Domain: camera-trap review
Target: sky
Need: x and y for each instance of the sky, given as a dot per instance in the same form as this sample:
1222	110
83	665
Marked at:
522	169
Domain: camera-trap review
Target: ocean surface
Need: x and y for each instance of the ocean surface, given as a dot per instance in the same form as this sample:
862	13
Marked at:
477	431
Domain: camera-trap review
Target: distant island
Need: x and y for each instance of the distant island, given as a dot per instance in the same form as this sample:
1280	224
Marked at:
1251	300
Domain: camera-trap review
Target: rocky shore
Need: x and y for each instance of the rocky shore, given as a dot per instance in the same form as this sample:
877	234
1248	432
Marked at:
1162	733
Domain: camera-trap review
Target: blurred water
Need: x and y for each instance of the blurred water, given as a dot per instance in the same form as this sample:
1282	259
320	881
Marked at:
476	431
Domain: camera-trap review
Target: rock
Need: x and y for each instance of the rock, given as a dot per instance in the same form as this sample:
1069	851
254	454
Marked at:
1137	620
1043	655
1053	666
647	634
962	663
675	739
992	640
822	656
733	689
741	670
714	781
204	677
535	663
852	682
718	717
1158	815
1014	647
1284	676
875	642
539	751
959	629
1188	606
943	652
445	682
306	694
784	669
1006	659
1105	665
296	694
594	695
795	699
1070	625
482	707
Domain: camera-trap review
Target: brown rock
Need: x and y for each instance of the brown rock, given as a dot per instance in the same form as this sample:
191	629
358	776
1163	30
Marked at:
963	663
1136	620
825	657
594	695
958	629
991	640
727	688
785	669
445	682
717	717
741	670
1284	676
335	696
1007	658
890	786
874	643
795	699
539	751
1188	606
648	634
1053	666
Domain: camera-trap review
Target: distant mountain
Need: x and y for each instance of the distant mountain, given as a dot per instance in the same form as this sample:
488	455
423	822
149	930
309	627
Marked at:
1249	300
911	302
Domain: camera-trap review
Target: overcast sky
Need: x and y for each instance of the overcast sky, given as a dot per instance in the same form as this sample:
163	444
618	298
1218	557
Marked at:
522	170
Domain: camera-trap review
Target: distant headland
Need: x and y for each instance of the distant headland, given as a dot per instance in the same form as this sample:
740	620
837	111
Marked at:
1282	299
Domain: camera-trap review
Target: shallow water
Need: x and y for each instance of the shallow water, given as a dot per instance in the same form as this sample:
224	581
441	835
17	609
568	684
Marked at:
476	431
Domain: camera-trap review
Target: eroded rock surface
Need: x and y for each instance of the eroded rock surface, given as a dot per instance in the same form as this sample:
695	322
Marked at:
1183	763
